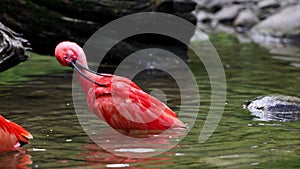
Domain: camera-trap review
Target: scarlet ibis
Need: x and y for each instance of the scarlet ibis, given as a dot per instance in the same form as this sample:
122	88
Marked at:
12	135
114	99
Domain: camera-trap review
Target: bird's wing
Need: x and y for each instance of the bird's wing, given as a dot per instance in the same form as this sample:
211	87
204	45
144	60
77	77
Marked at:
124	98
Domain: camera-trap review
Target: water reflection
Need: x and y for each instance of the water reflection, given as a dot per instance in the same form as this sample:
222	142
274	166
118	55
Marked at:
138	144
15	159
134	144
97	157
290	53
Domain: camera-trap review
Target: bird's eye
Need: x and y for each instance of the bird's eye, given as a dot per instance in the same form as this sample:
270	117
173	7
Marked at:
65	57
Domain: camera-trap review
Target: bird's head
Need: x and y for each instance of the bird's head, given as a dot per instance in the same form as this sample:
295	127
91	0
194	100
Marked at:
67	52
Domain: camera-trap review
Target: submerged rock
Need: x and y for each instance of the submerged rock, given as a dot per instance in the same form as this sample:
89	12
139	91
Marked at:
12	48
275	108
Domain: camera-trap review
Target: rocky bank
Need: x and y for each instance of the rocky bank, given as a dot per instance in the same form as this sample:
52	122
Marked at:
262	20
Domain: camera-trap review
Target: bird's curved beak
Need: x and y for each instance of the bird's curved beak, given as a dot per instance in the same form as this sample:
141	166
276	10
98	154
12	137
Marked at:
78	70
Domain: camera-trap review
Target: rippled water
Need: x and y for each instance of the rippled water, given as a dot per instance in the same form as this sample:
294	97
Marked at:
43	104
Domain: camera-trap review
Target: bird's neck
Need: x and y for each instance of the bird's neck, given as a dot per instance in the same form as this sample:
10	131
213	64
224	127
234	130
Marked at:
82	58
84	83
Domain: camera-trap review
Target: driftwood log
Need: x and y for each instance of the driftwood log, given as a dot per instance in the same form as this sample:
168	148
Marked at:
12	48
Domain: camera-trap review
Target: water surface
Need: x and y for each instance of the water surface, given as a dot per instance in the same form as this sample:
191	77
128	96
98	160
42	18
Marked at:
41	101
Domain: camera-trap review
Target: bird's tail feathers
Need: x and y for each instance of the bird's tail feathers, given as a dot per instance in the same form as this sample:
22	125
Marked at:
22	134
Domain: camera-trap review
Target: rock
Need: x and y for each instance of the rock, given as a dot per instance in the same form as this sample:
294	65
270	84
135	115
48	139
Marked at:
267	8
245	20
243	38
204	17
189	17
227	14
12	48
184	5
268	4
280	27
285	3
173	7
246	2
275	108
216	5
219	27
38	94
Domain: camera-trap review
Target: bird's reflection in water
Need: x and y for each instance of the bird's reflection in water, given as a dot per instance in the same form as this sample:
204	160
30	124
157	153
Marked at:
136	144
95	156
15	159
116	152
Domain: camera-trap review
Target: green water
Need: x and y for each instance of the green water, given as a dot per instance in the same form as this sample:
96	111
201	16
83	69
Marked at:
38	95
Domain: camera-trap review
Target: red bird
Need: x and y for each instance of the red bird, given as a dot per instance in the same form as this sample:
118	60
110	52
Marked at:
12	135
114	99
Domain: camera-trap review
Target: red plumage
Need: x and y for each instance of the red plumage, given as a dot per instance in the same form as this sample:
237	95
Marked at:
12	135
118	100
